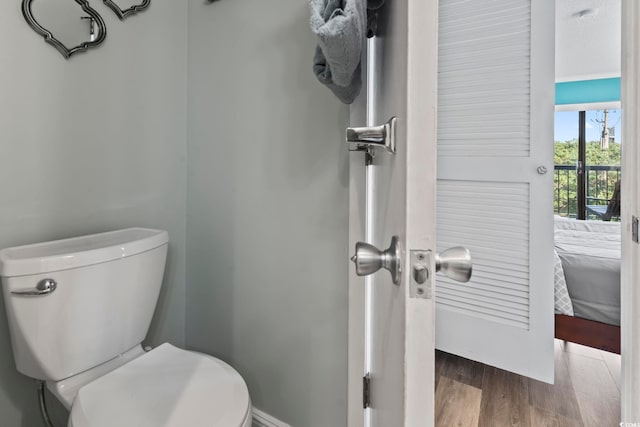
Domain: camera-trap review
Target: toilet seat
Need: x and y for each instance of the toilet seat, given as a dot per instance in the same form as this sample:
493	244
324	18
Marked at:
166	387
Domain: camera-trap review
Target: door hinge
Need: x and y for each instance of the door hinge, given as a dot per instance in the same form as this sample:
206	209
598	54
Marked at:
366	391
634	229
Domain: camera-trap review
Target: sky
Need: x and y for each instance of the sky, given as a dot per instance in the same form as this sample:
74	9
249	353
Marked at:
566	126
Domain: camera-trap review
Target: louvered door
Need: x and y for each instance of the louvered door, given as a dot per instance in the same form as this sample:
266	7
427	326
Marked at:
495	137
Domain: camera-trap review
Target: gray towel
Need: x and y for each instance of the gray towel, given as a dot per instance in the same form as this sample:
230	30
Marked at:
346	94
340	26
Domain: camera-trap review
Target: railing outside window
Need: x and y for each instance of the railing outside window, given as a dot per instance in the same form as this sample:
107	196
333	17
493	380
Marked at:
600	183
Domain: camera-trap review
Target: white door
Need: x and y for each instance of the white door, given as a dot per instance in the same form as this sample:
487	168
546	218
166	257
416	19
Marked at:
391	330
495	181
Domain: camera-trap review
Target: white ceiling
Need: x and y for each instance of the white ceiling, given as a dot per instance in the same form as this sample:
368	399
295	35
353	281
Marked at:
588	39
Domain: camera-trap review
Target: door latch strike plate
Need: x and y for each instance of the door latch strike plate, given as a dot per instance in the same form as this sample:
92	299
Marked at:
421	274
634	229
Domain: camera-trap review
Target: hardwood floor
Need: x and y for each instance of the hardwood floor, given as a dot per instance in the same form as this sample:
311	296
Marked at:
586	392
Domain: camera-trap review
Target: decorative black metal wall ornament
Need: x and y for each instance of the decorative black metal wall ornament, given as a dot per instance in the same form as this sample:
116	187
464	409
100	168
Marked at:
50	38
122	14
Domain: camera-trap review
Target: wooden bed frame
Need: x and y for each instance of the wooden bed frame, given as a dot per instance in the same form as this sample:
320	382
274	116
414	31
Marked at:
588	332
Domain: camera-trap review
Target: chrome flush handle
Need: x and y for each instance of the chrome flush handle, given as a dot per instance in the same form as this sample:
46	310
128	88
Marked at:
44	287
364	138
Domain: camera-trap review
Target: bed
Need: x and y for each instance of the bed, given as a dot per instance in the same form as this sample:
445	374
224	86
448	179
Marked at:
588	303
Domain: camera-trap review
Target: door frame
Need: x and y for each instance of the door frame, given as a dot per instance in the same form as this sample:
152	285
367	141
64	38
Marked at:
630	183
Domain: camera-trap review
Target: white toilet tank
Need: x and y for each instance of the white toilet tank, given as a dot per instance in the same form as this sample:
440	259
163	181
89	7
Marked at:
105	292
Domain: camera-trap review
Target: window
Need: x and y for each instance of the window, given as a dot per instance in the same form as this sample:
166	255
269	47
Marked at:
587	163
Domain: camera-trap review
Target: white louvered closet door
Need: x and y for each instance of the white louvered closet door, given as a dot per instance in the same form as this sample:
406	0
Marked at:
495	129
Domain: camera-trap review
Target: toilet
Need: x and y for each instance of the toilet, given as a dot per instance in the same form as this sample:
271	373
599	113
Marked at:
78	310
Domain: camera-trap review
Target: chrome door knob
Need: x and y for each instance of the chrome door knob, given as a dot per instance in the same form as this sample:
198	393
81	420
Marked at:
455	263
369	259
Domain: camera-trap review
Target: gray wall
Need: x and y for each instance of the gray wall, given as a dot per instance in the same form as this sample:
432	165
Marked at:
267	216
99	142
93	144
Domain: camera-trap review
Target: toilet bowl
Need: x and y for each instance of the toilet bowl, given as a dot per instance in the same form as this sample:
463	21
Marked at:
165	387
78	310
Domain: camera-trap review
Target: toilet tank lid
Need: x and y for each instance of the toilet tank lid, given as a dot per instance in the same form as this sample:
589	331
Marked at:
78	251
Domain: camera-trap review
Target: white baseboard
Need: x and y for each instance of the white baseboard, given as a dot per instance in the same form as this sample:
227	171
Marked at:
262	419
